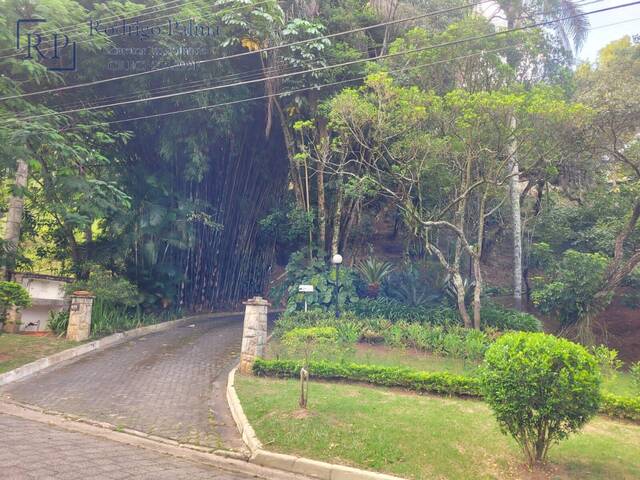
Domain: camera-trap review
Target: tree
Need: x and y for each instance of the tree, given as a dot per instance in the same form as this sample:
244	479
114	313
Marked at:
541	389
572	32
443	160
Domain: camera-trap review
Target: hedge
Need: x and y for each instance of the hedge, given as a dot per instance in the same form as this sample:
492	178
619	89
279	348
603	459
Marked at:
445	383
438	382
620	407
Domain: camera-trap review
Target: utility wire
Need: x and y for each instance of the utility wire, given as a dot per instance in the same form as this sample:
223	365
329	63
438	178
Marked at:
201	82
258	51
327	67
109	37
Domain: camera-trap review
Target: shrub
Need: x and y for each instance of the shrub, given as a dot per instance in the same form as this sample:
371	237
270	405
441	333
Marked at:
373	272
319	274
635	374
13	294
108	287
444	340
541	388
309	341
422	382
607	359
502	318
492	315
58	322
627	408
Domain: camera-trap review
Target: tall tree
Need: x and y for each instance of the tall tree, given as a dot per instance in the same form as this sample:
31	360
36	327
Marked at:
572	32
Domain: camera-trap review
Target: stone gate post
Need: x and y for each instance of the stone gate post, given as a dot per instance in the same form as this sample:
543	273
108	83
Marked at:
79	327
254	334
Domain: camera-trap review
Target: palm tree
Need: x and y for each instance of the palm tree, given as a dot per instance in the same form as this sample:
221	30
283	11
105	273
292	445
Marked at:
572	33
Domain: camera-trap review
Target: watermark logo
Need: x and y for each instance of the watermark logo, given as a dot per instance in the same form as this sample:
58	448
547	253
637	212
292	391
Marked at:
55	51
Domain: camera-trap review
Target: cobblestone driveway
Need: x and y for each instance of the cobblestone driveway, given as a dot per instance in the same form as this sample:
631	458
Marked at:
34	451
160	384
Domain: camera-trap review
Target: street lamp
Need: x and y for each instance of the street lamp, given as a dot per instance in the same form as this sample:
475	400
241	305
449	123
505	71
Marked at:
337	260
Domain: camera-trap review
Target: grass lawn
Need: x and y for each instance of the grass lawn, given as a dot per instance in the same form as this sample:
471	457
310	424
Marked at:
16	350
422	436
620	384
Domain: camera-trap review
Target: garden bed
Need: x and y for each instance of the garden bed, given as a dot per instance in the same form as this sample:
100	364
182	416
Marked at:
18	349
421	436
620	383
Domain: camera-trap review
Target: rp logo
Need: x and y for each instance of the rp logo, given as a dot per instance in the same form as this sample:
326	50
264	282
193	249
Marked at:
49	52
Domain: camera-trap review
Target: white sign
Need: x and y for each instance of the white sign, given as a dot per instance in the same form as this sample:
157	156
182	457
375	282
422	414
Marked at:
305	288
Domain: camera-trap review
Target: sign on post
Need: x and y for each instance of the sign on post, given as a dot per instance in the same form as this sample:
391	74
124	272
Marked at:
305	289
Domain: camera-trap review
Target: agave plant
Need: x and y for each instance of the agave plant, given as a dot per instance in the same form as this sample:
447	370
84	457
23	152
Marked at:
451	292
373	273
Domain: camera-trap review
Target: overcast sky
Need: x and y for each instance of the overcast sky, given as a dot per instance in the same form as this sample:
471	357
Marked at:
600	37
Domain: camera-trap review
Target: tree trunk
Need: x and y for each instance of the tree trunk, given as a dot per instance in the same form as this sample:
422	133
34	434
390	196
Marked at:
462	308
477	291
14	218
337	216
323	157
516	220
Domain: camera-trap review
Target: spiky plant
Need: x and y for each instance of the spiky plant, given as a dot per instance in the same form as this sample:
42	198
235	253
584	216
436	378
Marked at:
373	273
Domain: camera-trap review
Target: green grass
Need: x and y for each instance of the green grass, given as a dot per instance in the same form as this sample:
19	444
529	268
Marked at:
621	383
422	436
17	350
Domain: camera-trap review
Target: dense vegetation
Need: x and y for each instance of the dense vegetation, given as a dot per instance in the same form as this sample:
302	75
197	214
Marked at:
460	137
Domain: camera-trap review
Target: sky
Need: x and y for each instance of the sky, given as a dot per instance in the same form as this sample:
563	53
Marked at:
600	37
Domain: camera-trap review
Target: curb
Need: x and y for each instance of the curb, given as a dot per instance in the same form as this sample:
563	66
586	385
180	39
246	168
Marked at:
72	353
290	463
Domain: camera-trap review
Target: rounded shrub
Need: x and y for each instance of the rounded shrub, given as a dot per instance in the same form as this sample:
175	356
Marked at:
541	388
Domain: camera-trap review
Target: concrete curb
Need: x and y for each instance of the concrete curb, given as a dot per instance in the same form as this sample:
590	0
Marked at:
290	463
73	353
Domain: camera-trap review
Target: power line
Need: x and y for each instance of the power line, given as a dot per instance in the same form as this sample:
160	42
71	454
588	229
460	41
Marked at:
201	82
336	83
327	67
258	51
214	14
298	90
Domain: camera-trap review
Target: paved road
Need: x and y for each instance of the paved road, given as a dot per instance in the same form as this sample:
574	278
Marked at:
161	383
35	451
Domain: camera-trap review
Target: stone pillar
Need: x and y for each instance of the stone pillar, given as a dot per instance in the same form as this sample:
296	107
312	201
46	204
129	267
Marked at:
79	327
254	334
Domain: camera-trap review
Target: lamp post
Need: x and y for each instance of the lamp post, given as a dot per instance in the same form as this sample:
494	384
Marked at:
337	260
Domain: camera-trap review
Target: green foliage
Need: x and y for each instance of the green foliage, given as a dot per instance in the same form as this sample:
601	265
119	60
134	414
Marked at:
287	227
541	256
373	272
607	359
573	293
394	310
310	334
58	322
493	315
422	382
108	287
300	271
453	341
108	318
627	408
541	388
13	294
412	286
634	370
496	316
